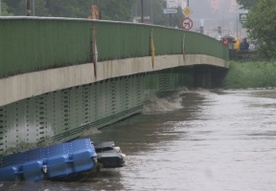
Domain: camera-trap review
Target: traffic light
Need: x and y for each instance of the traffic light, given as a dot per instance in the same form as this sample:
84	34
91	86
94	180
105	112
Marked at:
219	29
201	29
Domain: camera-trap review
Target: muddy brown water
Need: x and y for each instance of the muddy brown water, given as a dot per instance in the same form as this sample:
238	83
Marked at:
196	140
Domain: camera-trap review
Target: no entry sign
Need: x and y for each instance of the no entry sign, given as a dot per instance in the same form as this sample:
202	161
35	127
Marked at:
187	24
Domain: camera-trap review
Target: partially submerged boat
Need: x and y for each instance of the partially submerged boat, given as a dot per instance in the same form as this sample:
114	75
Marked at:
60	161
109	155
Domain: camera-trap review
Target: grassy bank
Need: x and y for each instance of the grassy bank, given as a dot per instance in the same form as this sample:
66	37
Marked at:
242	75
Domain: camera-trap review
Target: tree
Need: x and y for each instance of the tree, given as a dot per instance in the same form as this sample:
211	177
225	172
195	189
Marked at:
40	8
68	8
119	10
116	10
154	9
5	11
261	25
16	7
111	9
247	4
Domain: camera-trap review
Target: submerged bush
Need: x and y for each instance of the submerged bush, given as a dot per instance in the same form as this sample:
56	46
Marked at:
244	75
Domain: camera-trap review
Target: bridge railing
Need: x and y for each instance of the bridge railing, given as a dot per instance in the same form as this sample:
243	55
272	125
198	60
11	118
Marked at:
31	43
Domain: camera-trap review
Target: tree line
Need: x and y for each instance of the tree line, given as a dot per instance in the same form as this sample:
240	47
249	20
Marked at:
119	10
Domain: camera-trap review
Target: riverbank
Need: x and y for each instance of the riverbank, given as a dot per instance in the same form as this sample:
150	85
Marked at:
243	75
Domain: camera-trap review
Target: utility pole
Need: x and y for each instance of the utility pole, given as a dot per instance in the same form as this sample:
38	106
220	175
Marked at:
100	9
0	8
142	11
33	2
151	12
29	12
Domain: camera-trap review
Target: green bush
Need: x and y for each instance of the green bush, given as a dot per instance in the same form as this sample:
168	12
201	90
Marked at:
251	75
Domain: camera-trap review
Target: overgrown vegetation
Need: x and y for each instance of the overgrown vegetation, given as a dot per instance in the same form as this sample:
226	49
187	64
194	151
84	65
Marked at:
251	75
247	4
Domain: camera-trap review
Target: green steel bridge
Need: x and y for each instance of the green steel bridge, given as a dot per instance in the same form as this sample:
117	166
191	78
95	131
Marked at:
61	77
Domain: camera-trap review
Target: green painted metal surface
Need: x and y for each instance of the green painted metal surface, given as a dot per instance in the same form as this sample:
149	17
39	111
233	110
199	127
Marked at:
64	115
31	44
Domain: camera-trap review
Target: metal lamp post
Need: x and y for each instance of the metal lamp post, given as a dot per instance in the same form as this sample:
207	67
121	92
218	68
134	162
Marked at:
33	2
142	11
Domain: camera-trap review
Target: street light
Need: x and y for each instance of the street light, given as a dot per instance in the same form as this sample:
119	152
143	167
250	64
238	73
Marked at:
142	11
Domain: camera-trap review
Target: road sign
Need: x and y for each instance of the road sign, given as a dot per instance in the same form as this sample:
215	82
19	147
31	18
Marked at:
243	17
187	11
169	11
187	24
172	4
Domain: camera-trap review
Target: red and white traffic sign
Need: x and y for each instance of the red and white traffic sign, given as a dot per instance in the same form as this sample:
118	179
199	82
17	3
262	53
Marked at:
187	24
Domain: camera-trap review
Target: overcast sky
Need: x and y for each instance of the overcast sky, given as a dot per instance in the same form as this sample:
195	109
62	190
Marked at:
213	9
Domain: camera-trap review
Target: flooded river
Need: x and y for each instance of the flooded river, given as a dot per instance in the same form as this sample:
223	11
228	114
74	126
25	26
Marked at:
189	141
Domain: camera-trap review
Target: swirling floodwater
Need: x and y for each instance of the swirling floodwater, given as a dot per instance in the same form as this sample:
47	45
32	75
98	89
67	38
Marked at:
194	140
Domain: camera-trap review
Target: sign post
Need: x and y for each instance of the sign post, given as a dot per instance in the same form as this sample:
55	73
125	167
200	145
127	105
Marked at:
171	8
